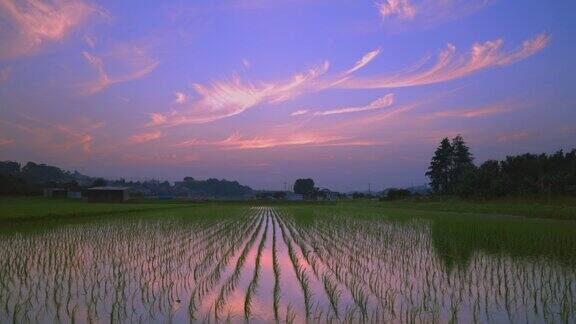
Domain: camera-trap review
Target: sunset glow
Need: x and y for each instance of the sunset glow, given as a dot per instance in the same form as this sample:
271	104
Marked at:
264	91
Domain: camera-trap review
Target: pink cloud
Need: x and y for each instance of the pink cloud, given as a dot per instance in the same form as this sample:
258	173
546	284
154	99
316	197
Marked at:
90	40
513	136
367	58
5	74
223	99
402	9
379	103
180	97
157	119
450	66
5	141
299	112
33	23
488	110
129	61
145	137
427	12
57	136
390	116
238	142
158	159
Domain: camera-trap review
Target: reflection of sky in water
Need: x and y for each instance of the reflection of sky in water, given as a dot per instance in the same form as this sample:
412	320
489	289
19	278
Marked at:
157	270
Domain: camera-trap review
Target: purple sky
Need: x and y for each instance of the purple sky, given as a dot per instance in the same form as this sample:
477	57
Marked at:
266	91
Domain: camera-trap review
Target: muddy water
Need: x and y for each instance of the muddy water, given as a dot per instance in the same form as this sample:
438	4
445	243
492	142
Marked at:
266	265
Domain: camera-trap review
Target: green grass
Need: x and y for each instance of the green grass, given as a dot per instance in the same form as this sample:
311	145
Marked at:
559	208
36	208
461	228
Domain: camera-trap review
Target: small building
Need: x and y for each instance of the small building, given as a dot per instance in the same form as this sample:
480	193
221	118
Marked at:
55	193
108	194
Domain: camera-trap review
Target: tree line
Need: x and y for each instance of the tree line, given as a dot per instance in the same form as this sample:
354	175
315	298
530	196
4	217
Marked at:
32	178
306	187
452	172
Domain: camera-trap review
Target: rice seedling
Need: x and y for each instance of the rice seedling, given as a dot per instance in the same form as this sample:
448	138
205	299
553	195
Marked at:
254	282
333	292
326	264
276	269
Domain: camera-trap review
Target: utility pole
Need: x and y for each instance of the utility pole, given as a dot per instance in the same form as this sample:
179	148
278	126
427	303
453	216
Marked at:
369	188
284	186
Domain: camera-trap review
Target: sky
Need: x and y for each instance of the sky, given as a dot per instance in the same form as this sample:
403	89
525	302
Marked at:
347	92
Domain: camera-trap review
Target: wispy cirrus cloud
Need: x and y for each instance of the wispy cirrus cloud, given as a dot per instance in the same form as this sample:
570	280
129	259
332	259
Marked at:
391	115
299	112
5	74
451	66
158	158
223	99
367	58
5	141
483	111
379	103
57	136
144	137
403	9
513	136
33	23
157	119
128	61
181	97
238	142
427	12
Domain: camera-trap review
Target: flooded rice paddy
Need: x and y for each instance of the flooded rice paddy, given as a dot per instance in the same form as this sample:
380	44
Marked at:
266	264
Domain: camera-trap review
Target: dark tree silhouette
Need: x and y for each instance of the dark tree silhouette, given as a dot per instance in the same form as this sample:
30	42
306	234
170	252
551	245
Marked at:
452	159
279	195
99	183
451	171
439	169
215	187
396	194
461	160
304	187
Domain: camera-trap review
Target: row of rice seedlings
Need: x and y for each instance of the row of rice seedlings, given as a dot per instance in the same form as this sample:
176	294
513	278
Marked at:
230	284
109	278
417	291
209	279
139	274
276	270
299	270
254	282
332	291
356	293
211	276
